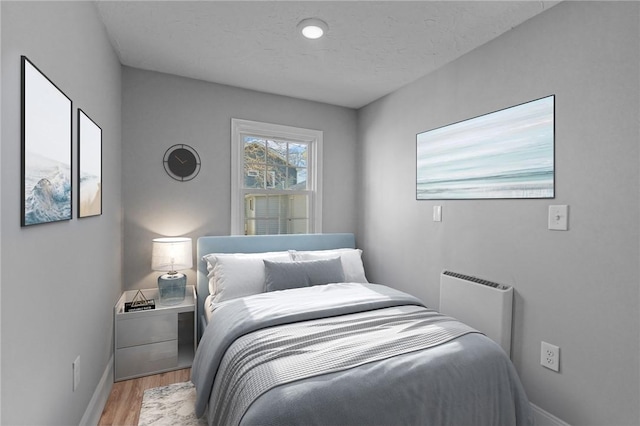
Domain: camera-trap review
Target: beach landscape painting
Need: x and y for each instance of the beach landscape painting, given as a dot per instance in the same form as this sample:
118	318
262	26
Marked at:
504	154
90	166
46	149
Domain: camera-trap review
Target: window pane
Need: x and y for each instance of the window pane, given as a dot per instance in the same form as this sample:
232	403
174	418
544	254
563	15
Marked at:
276	214
298	153
253	175
261	227
299	179
254	149
277	165
277	177
276	152
298	226
298	206
298	157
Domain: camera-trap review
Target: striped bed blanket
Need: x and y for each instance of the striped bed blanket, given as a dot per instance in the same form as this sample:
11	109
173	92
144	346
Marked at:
350	354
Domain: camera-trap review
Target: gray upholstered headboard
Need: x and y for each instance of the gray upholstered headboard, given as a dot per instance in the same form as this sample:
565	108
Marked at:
257	244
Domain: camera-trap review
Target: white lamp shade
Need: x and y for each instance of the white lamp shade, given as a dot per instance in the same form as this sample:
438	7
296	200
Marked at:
171	254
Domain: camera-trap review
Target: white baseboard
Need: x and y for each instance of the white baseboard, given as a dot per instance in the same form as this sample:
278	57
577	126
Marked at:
544	418
93	412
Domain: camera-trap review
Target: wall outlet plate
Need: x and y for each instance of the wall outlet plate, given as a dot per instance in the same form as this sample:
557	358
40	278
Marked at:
550	356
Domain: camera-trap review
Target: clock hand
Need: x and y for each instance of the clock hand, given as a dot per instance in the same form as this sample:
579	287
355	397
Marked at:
180	160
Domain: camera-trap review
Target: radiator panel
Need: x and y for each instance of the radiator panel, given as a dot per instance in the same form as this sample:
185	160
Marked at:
484	305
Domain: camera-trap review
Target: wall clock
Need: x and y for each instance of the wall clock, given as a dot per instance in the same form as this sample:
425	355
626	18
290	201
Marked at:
181	162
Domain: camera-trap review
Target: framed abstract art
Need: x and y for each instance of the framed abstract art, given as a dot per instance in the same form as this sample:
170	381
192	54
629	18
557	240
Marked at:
46	149
89	166
504	154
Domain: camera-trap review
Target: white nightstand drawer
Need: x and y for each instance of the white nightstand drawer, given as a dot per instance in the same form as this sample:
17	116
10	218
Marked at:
147	329
139	360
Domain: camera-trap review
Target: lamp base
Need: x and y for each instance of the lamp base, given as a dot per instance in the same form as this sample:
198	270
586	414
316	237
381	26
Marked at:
171	288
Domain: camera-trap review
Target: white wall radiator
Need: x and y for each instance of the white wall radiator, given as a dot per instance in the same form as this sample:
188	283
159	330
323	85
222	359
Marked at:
484	305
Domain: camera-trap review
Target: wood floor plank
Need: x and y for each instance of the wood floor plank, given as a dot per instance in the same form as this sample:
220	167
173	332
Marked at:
123	405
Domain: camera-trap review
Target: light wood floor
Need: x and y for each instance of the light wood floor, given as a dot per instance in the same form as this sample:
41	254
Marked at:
123	406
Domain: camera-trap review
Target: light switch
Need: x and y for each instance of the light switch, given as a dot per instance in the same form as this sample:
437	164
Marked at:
559	218
437	213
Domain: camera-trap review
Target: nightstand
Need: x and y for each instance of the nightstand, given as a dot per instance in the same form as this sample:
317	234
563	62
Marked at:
156	340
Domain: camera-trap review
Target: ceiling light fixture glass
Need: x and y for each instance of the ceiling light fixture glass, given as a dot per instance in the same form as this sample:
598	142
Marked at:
313	28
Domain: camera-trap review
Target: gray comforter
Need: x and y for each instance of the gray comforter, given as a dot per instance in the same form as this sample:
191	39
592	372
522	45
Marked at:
350	354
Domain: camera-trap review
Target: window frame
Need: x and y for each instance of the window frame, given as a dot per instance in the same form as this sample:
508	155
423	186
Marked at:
241	128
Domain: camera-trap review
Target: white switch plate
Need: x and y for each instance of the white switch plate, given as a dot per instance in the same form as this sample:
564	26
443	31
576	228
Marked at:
76	373
437	213
559	218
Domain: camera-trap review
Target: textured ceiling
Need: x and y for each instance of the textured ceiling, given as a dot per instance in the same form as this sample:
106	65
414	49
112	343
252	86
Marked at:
371	49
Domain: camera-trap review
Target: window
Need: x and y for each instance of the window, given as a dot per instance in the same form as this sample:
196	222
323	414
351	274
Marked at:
276	179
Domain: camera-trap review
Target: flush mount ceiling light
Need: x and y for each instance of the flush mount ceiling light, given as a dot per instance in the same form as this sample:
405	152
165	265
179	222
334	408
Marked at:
313	28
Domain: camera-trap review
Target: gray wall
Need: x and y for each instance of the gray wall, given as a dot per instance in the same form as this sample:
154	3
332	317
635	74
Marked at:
160	110
0	213
59	281
576	289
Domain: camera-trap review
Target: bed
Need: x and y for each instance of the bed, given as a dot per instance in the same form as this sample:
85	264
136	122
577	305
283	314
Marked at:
292	332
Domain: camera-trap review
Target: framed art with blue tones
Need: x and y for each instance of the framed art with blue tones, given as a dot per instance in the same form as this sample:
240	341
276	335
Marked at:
504	154
89	166
46	149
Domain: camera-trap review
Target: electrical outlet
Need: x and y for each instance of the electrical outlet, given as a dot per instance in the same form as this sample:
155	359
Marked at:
550	356
76	373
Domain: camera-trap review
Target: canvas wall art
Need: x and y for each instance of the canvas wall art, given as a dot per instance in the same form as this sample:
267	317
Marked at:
504	154
46	149
89	166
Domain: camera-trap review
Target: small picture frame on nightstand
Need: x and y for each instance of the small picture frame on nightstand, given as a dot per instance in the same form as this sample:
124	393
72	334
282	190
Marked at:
139	303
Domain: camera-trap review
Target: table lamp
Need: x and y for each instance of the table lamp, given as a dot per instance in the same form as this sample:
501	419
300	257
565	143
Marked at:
171	254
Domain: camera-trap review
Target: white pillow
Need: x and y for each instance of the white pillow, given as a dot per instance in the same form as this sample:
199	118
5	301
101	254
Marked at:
228	279
351	261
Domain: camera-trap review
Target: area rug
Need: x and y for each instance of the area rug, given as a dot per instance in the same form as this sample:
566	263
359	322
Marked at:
170	405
